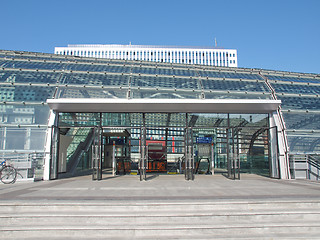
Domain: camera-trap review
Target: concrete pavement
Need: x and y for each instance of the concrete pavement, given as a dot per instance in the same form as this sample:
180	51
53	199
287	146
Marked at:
161	188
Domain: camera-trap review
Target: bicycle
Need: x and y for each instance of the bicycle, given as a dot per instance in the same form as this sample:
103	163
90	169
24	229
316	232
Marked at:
8	174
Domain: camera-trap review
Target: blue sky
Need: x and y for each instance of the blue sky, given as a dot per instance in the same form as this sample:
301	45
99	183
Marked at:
268	34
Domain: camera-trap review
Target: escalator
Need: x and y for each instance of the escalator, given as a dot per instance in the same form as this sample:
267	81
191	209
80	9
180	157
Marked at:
75	150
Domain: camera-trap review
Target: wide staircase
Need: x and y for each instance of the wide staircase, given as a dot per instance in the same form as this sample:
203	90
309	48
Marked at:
161	220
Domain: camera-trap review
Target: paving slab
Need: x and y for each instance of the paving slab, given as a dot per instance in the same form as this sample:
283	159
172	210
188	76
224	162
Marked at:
161	188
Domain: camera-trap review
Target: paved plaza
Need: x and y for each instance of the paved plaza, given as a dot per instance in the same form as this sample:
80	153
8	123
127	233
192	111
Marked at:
161	188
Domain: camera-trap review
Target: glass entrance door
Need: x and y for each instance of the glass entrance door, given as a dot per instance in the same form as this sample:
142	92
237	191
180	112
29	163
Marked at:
204	145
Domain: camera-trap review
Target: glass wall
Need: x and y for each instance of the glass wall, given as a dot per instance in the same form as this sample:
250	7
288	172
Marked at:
217	140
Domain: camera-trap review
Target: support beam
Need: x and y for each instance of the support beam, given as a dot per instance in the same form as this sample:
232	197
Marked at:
164	105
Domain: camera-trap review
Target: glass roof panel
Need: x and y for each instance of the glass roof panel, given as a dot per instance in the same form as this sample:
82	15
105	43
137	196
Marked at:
99	68
164	71
34	65
292	79
164	94
235	85
236	95
304	142
298	89
29	93
299	103
3	63
95	79
215	74
29	77
71	92
302	120
164	82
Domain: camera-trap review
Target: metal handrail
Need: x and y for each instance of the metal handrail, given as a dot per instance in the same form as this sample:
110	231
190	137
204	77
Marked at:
312	167
30	164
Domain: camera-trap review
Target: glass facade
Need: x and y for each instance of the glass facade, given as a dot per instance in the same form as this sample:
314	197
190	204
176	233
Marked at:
215	137
29	79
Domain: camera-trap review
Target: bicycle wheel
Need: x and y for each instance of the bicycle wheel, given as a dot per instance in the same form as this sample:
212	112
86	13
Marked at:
8	175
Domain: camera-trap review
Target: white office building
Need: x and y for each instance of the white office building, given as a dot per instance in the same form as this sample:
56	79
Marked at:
211	56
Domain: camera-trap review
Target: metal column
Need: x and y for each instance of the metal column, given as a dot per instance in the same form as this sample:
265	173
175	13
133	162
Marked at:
212	158
228	153
96	155
235	159
143	152
189	159
114	163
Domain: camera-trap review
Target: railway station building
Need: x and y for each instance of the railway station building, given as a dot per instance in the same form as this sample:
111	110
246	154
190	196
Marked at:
65	115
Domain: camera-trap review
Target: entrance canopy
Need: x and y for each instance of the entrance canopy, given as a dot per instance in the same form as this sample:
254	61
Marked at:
164	105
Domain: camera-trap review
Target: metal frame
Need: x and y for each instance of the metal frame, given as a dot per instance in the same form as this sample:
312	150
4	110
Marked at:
243	106
233	159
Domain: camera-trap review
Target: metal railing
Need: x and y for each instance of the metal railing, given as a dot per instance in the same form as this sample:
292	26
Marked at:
304	166
30	165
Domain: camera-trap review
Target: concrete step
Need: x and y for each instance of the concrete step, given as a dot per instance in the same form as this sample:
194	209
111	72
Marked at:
170	207
230	232
135	223
71	221
171	220
164	213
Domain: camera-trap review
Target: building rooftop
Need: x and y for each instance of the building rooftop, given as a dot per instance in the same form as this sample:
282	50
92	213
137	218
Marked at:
138	46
